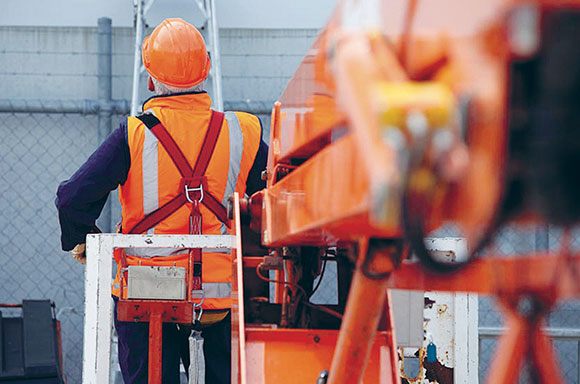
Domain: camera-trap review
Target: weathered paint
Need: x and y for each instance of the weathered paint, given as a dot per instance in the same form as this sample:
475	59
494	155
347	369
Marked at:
450	323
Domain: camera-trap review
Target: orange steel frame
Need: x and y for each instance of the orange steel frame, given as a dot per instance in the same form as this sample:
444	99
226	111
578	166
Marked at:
332	180
331	177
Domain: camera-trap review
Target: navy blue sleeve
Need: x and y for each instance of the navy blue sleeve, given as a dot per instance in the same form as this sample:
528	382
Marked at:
254	183
81	198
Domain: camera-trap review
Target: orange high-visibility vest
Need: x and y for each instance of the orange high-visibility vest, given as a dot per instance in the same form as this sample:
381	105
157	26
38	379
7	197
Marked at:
153	180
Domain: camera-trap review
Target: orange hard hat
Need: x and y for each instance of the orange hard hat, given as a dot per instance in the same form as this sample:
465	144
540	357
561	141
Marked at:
175	54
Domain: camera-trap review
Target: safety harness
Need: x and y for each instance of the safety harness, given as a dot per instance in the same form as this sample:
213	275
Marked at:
193	188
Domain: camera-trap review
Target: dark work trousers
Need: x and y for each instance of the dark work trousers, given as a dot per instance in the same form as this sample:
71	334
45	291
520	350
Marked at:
134	351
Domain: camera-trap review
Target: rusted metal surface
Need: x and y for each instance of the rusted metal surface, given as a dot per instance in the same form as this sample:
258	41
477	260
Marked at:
448	352
436	372
439	330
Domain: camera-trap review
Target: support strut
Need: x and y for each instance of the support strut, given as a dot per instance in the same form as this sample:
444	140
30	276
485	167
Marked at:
364	309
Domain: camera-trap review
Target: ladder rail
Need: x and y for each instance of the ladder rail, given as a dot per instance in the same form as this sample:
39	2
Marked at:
215	72
139	29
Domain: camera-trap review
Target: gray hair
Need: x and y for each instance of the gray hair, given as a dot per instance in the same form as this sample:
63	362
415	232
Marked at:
163	89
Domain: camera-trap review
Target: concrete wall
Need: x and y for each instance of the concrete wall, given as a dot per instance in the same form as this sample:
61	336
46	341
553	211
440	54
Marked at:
250	14
61	62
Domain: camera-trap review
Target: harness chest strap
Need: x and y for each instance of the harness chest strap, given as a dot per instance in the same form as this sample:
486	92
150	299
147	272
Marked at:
193	180
193	187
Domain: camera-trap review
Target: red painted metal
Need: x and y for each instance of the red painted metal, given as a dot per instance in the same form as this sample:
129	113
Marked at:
143	310
155	350
299	355
155	312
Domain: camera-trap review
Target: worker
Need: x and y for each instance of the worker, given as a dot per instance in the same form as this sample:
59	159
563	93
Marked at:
136	158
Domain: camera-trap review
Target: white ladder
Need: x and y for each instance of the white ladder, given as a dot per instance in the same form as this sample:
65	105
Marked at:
210	31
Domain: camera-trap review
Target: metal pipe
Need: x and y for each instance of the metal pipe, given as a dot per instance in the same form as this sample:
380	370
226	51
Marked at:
92	107
254	107
155	347
216	59
555	333
137	59
85	107
105	93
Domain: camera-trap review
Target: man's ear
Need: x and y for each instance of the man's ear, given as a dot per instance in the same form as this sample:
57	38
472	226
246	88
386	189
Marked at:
150	85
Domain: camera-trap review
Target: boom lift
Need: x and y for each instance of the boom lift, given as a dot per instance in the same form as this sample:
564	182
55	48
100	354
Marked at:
405	116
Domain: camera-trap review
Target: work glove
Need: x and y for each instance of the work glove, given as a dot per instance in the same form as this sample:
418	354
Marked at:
78	253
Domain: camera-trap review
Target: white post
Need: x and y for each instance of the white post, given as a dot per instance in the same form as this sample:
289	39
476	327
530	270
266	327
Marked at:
97	337
466	339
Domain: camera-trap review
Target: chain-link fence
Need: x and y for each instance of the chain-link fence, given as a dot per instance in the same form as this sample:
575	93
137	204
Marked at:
563	324
37	151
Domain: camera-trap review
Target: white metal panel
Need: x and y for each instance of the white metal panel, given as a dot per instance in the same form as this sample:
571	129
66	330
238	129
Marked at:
408	312
171	241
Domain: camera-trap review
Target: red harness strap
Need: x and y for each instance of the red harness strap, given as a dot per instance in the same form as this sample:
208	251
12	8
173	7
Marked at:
193	186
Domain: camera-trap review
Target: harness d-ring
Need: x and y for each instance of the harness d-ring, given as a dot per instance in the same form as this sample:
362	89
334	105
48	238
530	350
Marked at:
187	190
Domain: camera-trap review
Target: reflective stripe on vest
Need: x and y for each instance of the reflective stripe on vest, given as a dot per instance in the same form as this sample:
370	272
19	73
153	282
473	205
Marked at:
236	148
150	175
211	290
217	290
150	181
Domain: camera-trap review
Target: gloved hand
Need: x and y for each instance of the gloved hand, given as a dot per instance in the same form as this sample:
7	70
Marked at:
78	253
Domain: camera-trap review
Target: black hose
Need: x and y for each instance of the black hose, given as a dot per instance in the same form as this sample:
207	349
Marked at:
414	212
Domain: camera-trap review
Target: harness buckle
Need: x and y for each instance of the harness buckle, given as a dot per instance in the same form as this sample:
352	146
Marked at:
197	294
196	189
